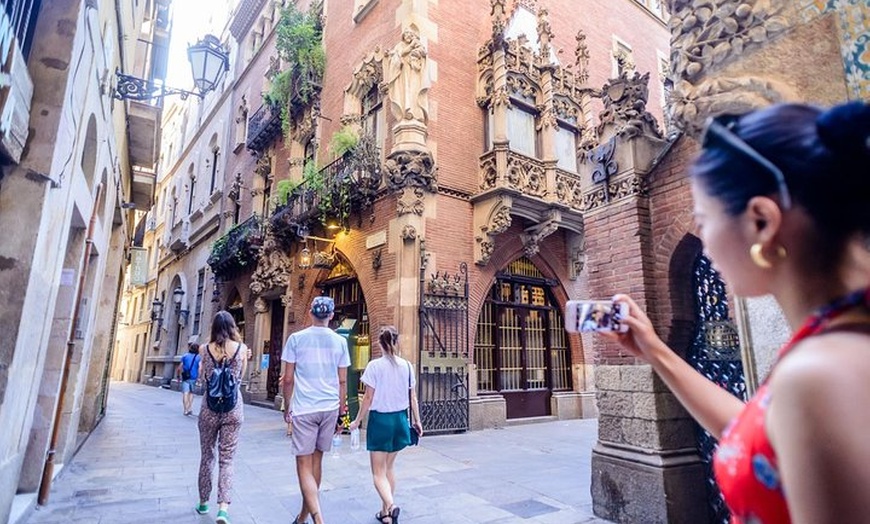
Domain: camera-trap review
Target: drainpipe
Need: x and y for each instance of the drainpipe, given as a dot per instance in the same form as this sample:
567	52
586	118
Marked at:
48	469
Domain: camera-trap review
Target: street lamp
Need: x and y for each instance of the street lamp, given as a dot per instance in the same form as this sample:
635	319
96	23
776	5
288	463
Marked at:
157	316
208	61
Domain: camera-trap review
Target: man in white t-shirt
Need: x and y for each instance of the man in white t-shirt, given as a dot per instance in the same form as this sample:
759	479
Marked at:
315	380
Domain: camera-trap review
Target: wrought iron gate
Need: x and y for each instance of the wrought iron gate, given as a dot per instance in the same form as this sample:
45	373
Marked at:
715	352
443	377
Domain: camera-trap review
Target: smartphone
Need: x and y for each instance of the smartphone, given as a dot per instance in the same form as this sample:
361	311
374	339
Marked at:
588	316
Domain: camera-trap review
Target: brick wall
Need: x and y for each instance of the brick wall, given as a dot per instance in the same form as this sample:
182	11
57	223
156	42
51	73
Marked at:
675	246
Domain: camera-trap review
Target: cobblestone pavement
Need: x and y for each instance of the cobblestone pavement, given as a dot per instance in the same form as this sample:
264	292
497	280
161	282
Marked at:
140	466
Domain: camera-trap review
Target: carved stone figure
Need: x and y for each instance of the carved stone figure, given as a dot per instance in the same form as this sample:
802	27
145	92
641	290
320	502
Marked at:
625	101
273	267
407	77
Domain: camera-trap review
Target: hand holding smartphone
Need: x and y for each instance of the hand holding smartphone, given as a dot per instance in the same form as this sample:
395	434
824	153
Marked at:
595	316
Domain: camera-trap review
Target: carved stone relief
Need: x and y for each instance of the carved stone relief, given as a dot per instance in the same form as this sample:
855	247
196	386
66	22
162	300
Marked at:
491	218
411	169
576	243
369	73
534	235
633	185
625	100
705	35
411	201
260	306
409	233
273	267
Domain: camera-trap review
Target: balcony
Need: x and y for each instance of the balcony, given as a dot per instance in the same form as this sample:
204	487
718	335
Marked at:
15	99
543	196
237	250
346	185
180	238
144	128
264	127
530	179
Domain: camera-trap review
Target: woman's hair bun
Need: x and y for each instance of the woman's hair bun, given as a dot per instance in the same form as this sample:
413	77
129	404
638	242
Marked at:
845	129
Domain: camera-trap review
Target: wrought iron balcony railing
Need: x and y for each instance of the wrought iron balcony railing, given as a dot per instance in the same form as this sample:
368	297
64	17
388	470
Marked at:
237	250
340	188
263	127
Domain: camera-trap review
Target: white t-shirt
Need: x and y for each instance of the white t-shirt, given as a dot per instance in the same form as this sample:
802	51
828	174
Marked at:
318	352
390	382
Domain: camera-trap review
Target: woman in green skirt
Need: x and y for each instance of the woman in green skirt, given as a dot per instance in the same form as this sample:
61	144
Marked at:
390	392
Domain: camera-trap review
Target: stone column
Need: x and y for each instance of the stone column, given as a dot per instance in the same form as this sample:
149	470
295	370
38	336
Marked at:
644	465
262	333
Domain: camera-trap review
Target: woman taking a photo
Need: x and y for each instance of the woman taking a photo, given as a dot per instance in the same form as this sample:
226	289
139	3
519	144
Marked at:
782	205
222	414
390	393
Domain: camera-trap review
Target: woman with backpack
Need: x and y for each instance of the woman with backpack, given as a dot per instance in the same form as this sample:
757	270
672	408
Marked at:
221	367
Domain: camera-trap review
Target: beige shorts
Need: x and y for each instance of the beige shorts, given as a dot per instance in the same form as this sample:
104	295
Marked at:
313	431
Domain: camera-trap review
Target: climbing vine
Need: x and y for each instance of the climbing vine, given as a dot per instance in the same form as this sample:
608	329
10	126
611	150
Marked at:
299	42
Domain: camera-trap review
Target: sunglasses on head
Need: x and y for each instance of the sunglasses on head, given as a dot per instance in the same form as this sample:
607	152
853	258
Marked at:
720	128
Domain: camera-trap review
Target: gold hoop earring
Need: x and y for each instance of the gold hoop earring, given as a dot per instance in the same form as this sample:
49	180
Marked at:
781	252
755	253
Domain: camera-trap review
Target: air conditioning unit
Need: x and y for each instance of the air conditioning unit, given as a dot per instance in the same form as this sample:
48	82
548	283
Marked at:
82	321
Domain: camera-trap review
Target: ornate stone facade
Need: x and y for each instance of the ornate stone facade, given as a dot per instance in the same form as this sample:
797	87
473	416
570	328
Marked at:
273	267
411	169
625	99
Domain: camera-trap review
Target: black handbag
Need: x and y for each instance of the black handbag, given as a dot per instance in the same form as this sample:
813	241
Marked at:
415	437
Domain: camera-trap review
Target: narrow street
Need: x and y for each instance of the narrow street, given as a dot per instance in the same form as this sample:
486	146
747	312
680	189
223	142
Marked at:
140	465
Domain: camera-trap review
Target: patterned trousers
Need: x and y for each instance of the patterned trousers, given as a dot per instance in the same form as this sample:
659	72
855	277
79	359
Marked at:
221	430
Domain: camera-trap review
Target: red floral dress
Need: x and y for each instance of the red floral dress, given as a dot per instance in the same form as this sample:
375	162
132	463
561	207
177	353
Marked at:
745	463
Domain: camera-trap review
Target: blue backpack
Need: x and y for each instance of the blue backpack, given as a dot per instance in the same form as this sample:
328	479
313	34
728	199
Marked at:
223	390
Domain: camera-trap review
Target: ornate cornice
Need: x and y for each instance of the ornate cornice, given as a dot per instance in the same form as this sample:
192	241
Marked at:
244	18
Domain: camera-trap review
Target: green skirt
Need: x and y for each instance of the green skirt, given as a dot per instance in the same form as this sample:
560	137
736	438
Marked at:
388	432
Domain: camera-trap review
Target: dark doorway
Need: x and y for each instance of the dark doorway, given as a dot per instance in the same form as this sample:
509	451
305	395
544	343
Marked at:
276	346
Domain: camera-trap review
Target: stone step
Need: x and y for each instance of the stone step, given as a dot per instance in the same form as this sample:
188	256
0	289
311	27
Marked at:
530	420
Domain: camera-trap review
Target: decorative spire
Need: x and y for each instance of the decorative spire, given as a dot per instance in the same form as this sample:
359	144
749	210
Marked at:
581	54
497	14
545	34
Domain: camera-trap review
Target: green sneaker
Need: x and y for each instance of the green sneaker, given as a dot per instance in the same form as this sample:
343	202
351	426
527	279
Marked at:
222	517
202	509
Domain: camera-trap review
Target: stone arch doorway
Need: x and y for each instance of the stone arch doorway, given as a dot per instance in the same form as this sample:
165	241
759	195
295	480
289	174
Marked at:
521	350
342	284
351	319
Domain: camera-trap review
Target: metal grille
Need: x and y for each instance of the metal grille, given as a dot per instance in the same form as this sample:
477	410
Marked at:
443	393
715	352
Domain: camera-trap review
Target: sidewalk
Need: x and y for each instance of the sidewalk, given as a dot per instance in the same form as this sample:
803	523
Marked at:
140	466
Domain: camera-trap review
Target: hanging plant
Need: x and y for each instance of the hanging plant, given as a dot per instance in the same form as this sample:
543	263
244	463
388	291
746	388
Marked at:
344	140
299	43
283	190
